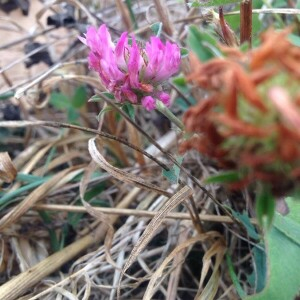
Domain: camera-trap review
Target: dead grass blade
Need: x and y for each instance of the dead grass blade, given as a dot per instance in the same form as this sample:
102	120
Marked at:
158	273
210	290
163	12
17	286
64	158
33	161
137	213
25	155
24	281
22	91
29	152
178	261
168	140
28	253
53	262
135	139
37	195
125	15
100	216
8	171
119	174
152	227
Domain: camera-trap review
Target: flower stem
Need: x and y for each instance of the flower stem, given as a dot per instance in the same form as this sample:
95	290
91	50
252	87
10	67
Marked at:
246	22
165	111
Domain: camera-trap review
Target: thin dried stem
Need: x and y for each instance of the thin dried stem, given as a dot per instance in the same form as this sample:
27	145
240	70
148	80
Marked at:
163	13
135	212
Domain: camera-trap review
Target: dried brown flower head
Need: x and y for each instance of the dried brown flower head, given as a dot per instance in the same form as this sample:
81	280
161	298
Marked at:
250	120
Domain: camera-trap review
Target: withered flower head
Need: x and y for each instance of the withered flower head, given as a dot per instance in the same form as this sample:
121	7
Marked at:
250	120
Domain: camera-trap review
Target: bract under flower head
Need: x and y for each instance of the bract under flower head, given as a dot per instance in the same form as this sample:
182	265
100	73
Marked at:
127	70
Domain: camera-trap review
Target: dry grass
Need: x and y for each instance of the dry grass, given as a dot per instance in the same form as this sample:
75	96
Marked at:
140	237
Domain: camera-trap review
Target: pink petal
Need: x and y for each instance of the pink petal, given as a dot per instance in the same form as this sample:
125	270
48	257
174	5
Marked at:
127	69
154	51
165	98
163	60
120	51
130	95
148	102
102	58
134	64
105	38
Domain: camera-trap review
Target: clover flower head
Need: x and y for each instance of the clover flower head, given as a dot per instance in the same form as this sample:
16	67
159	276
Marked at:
131	72
251	118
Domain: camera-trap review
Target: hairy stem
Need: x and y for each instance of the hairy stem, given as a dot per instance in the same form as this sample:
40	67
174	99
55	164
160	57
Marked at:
165	111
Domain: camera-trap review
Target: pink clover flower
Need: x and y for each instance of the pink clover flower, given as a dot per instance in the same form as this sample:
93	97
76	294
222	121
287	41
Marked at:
129	71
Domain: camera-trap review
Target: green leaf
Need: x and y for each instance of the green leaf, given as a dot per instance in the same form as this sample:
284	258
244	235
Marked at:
46	217
95	191
265	207
97	98
224	177
10	197
202	43
245	220
104	110
184	52
283	252
128	108
279	3
79	98
131	12
157	28
173	174
72	115
64	236
73	217
212	3
289	227
234	278
179	81
28	178
182	103
294	39
294	207
181	84
257	278
5	96
59	101
49	158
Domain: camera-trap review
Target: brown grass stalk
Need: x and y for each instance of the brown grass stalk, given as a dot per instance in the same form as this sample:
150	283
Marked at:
163	13
17	286
135	212
125	15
